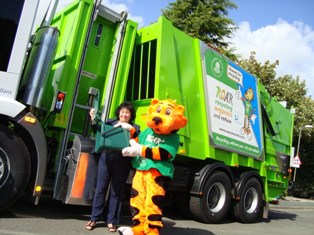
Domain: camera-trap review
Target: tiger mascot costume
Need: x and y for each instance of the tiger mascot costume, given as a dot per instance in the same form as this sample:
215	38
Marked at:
156	148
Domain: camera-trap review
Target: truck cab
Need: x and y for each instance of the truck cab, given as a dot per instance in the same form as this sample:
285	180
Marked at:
16	23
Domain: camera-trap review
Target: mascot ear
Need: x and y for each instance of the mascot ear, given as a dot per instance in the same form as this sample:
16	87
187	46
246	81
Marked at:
154	101
151	107
180	108
183	119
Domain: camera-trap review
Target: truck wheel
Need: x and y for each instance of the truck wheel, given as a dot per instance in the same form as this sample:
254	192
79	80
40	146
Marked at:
213	205
181	201
14	167
249	208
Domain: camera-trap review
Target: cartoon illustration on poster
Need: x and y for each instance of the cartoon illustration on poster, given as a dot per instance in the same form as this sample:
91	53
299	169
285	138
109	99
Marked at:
234	110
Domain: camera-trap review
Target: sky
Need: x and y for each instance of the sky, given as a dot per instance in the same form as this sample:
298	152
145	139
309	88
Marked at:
275	29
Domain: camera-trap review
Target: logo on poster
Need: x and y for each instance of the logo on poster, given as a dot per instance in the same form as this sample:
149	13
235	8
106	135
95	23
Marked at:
217	67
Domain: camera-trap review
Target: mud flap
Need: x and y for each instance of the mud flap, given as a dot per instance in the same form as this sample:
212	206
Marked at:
81	172
265	211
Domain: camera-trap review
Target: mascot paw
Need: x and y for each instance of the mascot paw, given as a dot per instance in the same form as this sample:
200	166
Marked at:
131	152
134	150
125	231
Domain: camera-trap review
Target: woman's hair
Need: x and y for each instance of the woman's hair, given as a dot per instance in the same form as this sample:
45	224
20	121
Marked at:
129	106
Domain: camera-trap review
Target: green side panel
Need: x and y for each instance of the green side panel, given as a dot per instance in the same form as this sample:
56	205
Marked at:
97	63
278	129
73	24
120	86
179	68
281	121
96	66
76	71
167	65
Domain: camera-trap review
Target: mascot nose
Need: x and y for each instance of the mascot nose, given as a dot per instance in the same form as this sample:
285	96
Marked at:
157	120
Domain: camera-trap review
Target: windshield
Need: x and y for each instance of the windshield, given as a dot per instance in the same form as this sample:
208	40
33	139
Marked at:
10	13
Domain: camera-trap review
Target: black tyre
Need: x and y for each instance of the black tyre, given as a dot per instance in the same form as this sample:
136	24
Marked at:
181	200
14	167
250	206
213	205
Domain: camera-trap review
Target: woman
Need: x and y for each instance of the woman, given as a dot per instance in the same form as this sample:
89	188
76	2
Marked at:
113	169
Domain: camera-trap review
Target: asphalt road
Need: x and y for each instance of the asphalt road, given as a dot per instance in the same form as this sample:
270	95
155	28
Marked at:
291	216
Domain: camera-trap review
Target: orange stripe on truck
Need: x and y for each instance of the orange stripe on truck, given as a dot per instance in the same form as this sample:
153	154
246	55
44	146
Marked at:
80	176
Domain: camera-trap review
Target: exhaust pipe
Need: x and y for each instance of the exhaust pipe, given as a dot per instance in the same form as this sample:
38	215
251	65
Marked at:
40	58
50	13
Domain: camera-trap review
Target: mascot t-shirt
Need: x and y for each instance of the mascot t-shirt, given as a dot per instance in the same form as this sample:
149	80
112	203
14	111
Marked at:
168	142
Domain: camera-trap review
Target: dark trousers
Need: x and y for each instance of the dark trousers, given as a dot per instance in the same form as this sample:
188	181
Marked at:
113	170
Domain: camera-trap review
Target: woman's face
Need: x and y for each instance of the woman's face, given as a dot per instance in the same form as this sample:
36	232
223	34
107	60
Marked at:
124	115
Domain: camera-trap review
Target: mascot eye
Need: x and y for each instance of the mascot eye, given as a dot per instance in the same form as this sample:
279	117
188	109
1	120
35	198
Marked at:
168	111
158	110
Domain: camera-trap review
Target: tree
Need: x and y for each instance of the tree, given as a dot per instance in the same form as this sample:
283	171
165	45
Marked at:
293	91
284	88
265	72
203	19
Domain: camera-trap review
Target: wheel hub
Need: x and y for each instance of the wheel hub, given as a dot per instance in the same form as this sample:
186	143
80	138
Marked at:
251	200
4	167
216	197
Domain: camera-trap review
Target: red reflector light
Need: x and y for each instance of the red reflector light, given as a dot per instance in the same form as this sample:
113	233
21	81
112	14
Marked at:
59	102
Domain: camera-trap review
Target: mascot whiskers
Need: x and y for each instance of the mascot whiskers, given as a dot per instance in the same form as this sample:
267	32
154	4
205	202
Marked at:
154	153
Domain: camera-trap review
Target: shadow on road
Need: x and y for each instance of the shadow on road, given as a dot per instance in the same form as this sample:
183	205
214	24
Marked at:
280	215
52	209
169	229
47	208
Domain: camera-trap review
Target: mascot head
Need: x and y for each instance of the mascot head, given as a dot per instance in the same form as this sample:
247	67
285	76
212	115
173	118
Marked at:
249	94
165	117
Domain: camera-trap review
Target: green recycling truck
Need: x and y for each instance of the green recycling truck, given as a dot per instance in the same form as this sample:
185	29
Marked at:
235	150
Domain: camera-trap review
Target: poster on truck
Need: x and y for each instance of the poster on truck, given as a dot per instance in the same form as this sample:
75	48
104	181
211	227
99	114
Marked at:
232	96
